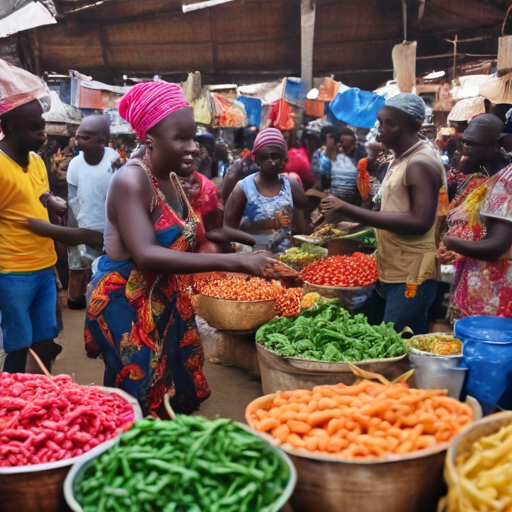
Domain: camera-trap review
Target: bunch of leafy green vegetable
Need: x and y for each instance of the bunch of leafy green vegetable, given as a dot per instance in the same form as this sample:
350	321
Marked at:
331	334
303	255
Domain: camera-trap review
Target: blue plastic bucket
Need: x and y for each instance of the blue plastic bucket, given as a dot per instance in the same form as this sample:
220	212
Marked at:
487	353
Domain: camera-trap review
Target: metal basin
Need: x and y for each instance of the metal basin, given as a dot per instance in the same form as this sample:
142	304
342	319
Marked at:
412	482
79	469
289	373
38	488
437	372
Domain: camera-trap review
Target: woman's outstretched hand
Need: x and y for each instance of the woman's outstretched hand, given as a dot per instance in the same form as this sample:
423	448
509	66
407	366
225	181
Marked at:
256	263
330	204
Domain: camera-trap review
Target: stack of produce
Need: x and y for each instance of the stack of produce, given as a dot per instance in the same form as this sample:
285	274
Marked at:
303	255
439	344
192	464
241	288
342	271
289	301
360	421
482	479
43	420
331	334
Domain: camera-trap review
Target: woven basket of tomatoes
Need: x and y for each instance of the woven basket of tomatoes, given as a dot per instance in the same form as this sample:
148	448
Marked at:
351	279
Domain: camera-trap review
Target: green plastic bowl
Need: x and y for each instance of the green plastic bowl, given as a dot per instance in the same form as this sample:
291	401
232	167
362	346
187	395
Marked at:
79	468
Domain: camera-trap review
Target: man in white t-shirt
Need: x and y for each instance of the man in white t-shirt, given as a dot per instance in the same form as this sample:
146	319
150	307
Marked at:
88	178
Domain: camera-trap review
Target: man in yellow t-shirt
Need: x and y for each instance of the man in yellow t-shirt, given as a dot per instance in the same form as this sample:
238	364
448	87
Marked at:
27	280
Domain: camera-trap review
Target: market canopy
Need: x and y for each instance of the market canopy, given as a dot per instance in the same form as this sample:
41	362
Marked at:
18	15
254	40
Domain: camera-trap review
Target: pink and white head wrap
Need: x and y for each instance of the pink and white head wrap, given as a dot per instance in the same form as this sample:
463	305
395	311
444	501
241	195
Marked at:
146	104
269	137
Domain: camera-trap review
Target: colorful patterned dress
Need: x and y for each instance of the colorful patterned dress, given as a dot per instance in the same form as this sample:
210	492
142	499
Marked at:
481	287
143	324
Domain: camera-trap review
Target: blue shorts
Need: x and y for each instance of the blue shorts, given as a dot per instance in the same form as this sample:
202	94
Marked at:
28	302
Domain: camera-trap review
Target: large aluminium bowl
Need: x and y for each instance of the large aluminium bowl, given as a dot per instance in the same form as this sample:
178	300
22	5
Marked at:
279	373
79	469
233	315
398	483
38	488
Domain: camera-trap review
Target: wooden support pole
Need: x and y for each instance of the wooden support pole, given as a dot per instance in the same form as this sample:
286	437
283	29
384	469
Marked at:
307	17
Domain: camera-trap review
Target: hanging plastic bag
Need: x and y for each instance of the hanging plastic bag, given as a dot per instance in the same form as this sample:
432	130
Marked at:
18	87
314	108
404	65
227	113
281	116
357	108
203	108
252	109
328	91
293	91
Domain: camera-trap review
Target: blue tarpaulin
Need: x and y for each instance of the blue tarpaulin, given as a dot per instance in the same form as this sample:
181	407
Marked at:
252	109
293	91
357	108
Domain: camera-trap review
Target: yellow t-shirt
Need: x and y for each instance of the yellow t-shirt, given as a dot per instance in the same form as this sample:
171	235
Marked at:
20	249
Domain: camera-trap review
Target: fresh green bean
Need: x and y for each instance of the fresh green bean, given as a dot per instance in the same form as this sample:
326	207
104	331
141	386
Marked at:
188	465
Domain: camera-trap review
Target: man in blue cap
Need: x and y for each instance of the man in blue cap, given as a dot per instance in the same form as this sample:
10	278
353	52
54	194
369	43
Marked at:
405	226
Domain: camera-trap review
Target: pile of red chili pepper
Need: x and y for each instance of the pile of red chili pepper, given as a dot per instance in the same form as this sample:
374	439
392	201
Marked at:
43	420
342	271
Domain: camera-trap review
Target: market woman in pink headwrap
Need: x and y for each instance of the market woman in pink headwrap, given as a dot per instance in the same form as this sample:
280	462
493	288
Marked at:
139	318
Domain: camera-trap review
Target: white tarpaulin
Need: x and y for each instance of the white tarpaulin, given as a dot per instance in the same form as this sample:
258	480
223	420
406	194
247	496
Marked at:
469	86
31	15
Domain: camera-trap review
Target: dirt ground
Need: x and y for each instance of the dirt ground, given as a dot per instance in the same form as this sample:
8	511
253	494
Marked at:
232	388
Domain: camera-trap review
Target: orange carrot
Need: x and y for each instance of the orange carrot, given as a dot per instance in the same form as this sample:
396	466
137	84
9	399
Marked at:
404	447
334	425
298	427
281	432
312	443
335	445
268	424
322	444
426	442
296	441
288	415
319	417
327	403
319	432
262	414
363	420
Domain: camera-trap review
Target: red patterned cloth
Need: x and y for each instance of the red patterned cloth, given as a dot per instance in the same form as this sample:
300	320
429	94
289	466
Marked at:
202	194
